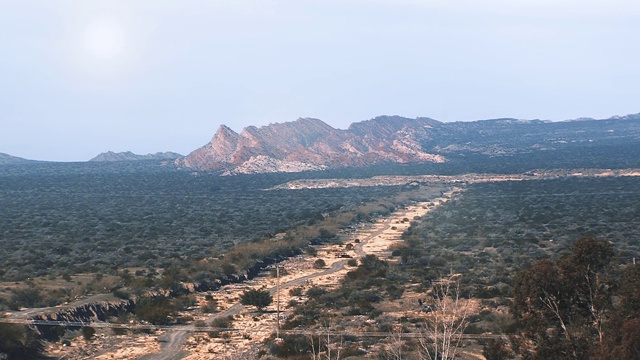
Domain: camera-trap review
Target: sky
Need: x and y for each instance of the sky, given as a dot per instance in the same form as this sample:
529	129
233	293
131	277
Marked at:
78	78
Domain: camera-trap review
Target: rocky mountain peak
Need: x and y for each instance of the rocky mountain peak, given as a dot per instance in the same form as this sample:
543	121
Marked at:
309	143
225	141
225	133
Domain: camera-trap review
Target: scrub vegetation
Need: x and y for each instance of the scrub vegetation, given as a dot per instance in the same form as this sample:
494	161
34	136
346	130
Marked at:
567	243
104	228
90	218
547	264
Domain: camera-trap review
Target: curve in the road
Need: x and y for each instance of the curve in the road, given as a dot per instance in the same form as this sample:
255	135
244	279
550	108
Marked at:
172	348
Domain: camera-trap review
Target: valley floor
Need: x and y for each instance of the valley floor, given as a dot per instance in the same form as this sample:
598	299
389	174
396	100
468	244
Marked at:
250	327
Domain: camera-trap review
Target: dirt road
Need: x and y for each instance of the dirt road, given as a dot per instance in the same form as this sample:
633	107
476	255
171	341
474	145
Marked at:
173	347
174	340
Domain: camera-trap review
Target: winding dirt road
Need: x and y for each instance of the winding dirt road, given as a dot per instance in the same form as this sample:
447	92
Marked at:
174	340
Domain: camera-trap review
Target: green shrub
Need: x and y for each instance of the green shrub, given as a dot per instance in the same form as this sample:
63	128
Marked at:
154	309
290	346
29	297
211	305
497	349
88	333
122	294
315	292
296	291
183	302
223	322
258	298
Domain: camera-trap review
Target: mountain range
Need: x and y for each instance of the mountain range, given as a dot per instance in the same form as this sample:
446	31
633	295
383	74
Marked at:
310	144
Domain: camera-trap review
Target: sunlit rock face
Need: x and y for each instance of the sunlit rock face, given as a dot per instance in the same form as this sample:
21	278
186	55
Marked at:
310	144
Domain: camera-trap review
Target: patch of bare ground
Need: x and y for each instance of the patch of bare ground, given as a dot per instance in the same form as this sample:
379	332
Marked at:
406	311
105	345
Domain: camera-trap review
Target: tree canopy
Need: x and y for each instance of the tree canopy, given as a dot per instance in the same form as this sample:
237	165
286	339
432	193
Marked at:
566	308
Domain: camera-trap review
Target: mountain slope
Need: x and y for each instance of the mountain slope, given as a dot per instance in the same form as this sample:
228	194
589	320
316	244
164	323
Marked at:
129	156
8	159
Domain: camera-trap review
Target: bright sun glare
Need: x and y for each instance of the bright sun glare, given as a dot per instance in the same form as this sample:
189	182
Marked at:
105	40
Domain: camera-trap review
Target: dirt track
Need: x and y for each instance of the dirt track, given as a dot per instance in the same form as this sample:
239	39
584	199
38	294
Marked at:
191	343
373	240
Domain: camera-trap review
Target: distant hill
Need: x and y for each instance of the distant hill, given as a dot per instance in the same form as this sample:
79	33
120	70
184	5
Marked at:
8	159
129	156
310	144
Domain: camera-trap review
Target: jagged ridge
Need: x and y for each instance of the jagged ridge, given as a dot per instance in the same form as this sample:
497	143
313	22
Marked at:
310	144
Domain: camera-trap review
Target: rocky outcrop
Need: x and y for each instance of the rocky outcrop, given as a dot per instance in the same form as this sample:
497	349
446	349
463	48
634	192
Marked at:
310	144
265	164
129	156
99	311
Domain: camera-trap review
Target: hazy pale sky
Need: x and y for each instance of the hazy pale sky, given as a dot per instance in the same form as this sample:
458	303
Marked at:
78	78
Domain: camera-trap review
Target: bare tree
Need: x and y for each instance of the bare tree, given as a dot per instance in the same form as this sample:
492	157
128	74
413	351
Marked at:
395	345
326	346
315	347
598	313
445	324
331	345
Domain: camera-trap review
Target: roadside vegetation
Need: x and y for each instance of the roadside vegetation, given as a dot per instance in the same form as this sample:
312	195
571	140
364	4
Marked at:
547	264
